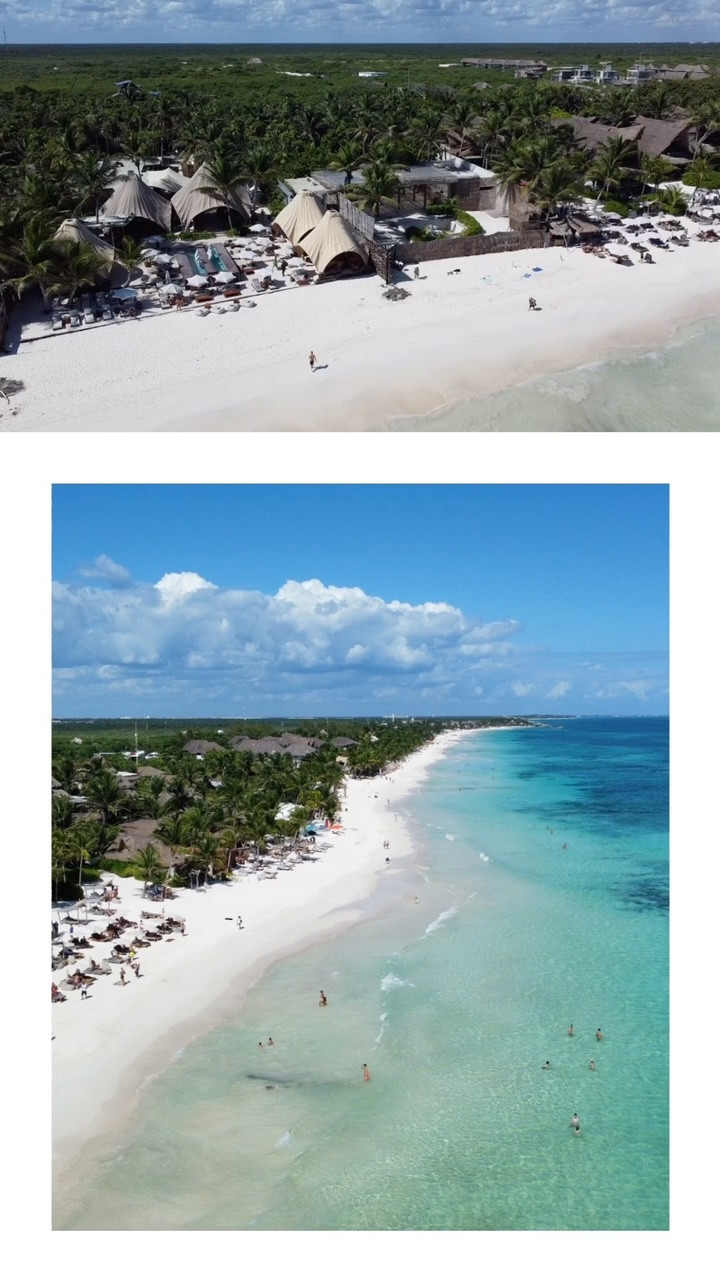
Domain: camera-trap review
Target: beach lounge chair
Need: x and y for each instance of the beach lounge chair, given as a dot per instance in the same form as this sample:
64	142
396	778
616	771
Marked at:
75	320
57	323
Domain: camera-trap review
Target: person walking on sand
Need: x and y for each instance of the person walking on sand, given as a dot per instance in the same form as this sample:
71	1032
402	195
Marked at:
366	1072
84	989
313	361
239	922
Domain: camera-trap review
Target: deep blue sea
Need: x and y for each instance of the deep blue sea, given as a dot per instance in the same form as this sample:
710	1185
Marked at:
538	898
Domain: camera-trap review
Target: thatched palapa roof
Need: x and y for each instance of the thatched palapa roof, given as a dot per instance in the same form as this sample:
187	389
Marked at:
334	245
199	747
658	135
135	199
191	200
300	216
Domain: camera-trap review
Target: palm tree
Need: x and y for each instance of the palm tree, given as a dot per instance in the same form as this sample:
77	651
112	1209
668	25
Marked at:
379	181
130	255
347	157
461	118
556	185
36	255
93	177
149	865
260	168
63	812
699	176
225	175
654	170
607	166
78	267
103	791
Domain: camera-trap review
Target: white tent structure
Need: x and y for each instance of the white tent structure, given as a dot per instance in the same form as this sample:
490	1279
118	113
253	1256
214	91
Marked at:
334	247
166	180
135	199
300	216
75	229
191	200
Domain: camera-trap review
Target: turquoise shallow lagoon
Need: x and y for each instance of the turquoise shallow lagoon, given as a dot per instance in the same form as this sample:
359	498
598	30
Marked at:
538	898
675	387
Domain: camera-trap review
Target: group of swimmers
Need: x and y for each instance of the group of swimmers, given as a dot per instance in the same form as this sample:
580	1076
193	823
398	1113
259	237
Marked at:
575	1122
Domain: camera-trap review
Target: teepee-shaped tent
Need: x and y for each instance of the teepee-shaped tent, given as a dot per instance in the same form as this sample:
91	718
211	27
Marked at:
333	247
75	229
300	216
191	201
166	180
135	199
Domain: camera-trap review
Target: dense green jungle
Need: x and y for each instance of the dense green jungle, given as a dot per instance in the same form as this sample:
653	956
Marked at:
225	70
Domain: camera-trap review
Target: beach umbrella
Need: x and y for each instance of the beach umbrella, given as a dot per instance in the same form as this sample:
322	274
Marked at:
258	226
225	277
298	262
173	287
163	259
196	281
285	251
124	294
149	253
248	254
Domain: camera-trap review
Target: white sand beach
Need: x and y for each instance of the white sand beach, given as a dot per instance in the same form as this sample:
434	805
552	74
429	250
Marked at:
107	1046
456	335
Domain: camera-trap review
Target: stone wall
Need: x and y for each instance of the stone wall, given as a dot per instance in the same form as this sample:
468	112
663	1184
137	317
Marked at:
416	251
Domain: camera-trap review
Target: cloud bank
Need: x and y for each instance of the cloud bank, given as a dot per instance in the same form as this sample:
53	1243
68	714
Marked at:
321	20
185	646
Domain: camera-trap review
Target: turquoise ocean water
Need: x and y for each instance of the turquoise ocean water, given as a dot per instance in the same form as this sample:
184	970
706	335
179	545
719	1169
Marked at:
485	950
675	387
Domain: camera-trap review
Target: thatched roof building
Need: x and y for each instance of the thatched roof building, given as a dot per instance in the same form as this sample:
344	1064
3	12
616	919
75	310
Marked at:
300	216
658	136
199	747
333	246
191	201
133	837
135	199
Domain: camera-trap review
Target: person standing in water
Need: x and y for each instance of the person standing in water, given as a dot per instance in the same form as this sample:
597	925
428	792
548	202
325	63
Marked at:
599	1035
575	1122
592	1064
323	999
366	1072
571	1030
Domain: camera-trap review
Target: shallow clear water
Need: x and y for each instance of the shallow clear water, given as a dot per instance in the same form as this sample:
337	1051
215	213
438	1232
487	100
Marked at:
673	388
455	1000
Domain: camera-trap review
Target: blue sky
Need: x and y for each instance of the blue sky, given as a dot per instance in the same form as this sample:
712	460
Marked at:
355	599
241	21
